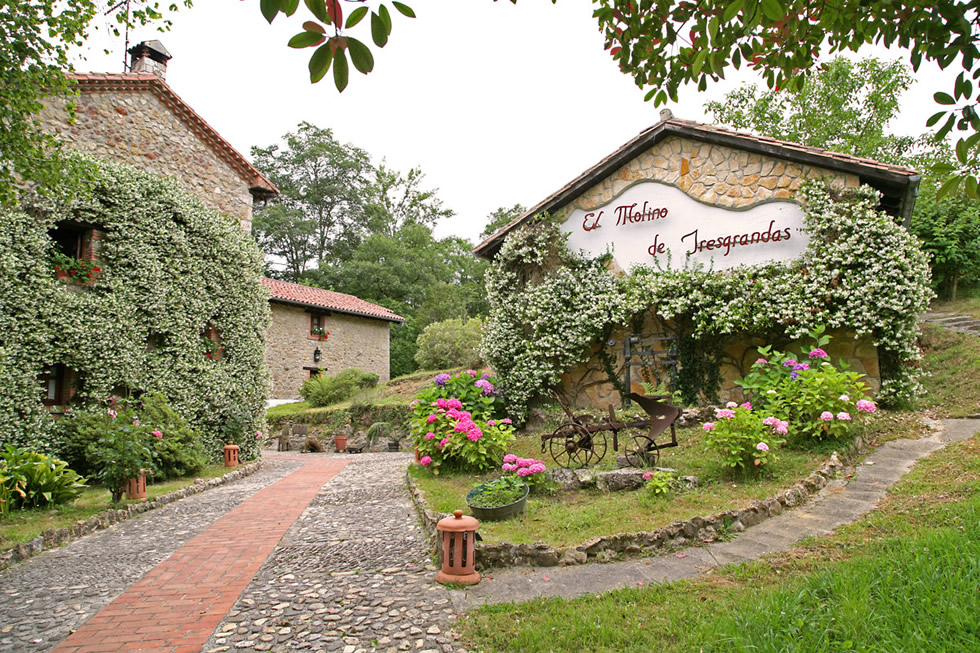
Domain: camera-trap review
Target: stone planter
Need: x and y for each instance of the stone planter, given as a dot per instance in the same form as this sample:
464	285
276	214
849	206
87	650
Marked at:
496	513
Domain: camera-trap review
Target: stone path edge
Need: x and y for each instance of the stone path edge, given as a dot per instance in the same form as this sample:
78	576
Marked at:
55	537
605	548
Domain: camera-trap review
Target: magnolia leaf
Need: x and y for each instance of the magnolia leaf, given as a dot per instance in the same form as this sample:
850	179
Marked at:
340	70
354	17
306	40
269	9
386	17
944	98
319	9
320	62
360	55
404	9
378	32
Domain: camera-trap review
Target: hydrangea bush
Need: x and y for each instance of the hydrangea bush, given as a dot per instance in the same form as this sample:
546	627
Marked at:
818	399
861	271
530	470
169	268
477	393
745	438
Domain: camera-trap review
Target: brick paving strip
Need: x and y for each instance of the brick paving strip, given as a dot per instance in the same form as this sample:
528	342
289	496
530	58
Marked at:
176	606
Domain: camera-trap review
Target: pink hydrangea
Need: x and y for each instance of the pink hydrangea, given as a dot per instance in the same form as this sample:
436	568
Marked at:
790	363
510	458
866	406
506	420
781	427
800	366
827	416
845	417
762	446
425	461
724	413
708	426
769	421
442	403
523	471
443	442
537	467
430	436
731	404
455	403
747	405
818	353
507	467
491	422
471	372
158	434
475	435
761	361
431	418
258	435
647	476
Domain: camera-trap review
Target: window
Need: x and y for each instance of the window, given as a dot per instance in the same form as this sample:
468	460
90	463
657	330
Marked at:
211	342
56	385
318	326
74	255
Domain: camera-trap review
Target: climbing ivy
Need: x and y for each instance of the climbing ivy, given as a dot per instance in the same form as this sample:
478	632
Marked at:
861	272
170	268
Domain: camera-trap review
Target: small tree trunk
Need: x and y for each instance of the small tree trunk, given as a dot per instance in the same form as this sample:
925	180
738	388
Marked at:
117	494
956	278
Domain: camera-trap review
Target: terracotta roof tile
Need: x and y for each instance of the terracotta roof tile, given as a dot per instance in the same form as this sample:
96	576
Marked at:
148	82
294	293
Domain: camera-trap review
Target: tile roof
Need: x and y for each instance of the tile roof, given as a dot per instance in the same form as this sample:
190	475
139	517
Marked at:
258	183
300	295
897	183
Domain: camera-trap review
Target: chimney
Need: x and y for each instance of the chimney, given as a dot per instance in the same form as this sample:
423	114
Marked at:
149	57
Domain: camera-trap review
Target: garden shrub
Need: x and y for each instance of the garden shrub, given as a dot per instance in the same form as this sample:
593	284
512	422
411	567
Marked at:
169	268
450	343
477	395
743	437
454	439
531	471
32	480
817	399
323	390
122	450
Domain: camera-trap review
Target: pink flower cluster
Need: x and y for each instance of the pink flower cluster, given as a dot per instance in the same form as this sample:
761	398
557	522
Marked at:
157	434
778	426
818	353
448	404
522	466
866	406
425	461
724	413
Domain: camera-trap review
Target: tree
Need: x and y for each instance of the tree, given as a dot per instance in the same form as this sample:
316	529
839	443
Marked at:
669	43
502	217
950	230
321	213
395	200
35	39
844	107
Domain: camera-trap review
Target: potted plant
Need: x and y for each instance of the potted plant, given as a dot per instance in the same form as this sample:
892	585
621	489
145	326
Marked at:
502	498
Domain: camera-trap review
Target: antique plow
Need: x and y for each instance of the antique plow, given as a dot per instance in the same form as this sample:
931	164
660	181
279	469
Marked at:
579	442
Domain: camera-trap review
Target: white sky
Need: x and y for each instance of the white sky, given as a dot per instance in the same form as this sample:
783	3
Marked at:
496	103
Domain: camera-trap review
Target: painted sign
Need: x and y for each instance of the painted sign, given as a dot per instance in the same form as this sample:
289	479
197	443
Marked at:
652	221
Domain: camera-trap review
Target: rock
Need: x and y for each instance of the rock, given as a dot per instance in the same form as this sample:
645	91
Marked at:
565	478
573	557
619	480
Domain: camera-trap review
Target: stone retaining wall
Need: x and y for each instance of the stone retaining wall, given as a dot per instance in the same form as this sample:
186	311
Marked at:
611	547
59	536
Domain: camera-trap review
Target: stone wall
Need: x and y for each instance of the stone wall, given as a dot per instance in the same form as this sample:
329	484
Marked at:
587	385
137	129
715	174
353	342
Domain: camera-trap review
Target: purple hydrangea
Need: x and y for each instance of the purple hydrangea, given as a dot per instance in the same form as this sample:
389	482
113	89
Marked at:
442	379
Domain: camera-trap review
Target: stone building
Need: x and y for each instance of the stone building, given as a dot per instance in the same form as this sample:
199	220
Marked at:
315	330
712	183
135	118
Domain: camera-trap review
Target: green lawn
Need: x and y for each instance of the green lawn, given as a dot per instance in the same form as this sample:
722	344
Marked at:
22	525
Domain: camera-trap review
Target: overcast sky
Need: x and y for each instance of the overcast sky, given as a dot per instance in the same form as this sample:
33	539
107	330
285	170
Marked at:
496	103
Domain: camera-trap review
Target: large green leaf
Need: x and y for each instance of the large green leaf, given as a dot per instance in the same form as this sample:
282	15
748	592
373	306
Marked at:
306	40
360	55
404	9
319	9
320	62
378	32
354	17
269	9
340	70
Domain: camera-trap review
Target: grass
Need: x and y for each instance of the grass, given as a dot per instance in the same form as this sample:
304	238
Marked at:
903	579
22	525
968	303
571	518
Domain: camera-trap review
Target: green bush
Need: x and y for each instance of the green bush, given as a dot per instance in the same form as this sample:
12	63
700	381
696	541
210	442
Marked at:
123	449
450	343
743	437
32	480
323	390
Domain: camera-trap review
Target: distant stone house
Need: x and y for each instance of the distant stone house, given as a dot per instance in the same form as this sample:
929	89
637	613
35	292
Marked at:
315	330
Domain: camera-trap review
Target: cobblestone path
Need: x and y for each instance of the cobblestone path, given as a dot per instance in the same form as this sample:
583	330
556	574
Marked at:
351	573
